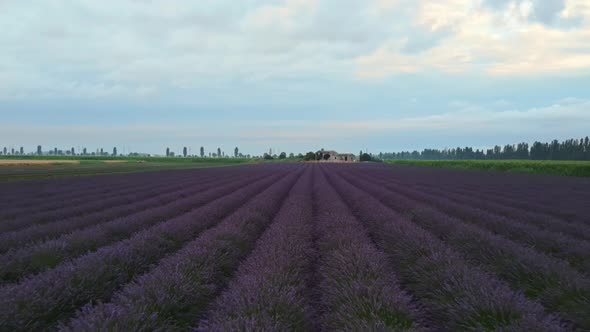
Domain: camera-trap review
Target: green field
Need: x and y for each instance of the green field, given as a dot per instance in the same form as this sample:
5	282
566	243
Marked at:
555	167
43	167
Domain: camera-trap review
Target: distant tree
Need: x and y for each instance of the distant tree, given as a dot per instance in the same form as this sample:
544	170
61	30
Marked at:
184	151
84	152
291	155
114	151
365	157
55	151
202	152
39	150
310	156
5	151
218	152
283	155
300	155
101	152
570	149
167	152
73	152
360	154
236	152
11	150
267	156
22	150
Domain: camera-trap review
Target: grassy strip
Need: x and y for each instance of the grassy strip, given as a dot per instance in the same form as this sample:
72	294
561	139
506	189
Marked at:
555	167
41	172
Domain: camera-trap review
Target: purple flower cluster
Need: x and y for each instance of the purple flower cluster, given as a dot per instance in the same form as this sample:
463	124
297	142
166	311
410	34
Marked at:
42	300
38	257
553	242
357	290
559	287
139	202
456	295
176	292
271	287
550	223
558	196
57	194
304	247
57	208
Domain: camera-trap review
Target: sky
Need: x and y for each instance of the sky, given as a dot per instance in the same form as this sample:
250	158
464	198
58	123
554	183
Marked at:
292	75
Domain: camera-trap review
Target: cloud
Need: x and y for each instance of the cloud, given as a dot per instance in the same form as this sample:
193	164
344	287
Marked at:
463	38
106	49
543	11
566	116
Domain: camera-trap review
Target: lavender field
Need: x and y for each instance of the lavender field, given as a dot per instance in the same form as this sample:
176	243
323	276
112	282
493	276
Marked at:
296	247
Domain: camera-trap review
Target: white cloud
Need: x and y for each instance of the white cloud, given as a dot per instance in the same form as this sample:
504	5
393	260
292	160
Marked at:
566	116
98	49
499	41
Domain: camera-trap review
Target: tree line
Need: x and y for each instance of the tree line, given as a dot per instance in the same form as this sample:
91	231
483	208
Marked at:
571	149
102	152
202	154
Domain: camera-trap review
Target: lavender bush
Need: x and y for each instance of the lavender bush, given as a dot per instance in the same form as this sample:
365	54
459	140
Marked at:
296	247
176	292
270	291
456	295
576	252
38	257
559	287
40	301
140	203
357	290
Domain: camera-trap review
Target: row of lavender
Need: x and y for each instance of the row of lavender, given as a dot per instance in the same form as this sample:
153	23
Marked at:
47	281
568	241
18	194
314	267
302	247
71	193
428	271
550	277
336	257
558	196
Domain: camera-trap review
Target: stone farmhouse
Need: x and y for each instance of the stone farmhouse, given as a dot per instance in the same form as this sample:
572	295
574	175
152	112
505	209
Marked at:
331	156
